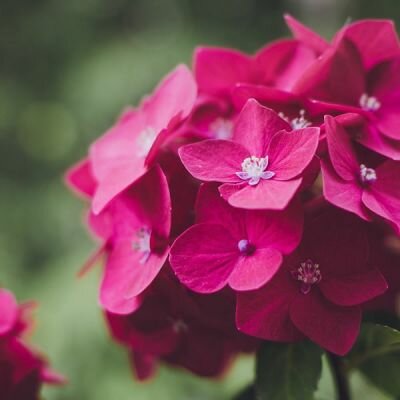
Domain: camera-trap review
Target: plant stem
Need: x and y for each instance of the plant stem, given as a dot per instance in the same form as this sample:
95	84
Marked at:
340	377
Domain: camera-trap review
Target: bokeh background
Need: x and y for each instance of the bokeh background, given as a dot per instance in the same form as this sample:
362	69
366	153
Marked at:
67	69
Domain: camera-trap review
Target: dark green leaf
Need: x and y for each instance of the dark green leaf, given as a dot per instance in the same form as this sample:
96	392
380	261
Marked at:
287	371
377	355
247	394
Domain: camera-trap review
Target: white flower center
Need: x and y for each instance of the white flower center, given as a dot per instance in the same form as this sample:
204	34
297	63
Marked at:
254	169
145	140
299	122
141	244
369	103
221	128
367	175
308	274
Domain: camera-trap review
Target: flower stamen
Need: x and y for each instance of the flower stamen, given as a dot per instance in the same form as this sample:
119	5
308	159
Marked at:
141	244
369	103
367	175
254	169
308	273
221	128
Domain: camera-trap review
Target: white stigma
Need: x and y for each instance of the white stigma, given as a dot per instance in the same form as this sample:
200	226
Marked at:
254	169
367	175
145	140
299	122
141	244
308	274
369	103
221	128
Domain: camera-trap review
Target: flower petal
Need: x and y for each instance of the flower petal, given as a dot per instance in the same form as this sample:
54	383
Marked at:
306	35
332	327
204	256
9	311
256	126
80	178
214	160
354	289
126	276
217	70
341	193
267	195
264	313
383	196
340	149
291	152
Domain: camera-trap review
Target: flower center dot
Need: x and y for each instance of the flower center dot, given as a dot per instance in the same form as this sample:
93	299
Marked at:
145	140
141	244
245	247
369	103
367	175
254	169
308	273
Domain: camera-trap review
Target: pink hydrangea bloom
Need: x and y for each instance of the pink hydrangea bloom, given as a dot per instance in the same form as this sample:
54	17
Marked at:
340	82
231	246
124	153
22	371
353	185
178	327
319	289
140	227
261	168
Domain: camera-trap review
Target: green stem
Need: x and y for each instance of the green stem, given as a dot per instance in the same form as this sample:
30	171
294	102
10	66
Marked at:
340	377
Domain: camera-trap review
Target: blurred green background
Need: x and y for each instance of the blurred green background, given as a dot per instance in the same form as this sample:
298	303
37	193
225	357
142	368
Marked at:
67	69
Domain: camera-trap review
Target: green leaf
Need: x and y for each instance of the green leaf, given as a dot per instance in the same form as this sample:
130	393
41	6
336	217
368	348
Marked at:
288	371
377	355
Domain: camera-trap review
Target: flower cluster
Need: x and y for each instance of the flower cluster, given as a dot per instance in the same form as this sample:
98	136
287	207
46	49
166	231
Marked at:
22	370
257	197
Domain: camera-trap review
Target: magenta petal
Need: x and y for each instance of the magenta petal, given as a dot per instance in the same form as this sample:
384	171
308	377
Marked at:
174	96
306	35
376	40
344	194
255	127
217	70
212	208
374	140
388	121
148	201
126	276
203	257
267	195
281	63
281	230
332	327
252	272
383	196
80	178
214	160
265	313
9	311
340	150
291	152
354	289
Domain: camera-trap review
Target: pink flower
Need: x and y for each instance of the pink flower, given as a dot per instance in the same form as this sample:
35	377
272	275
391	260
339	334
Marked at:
140	227
318	291
261	167
22	371
128	149
235	247
279	64
356	186
79	178
181	328
340	82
